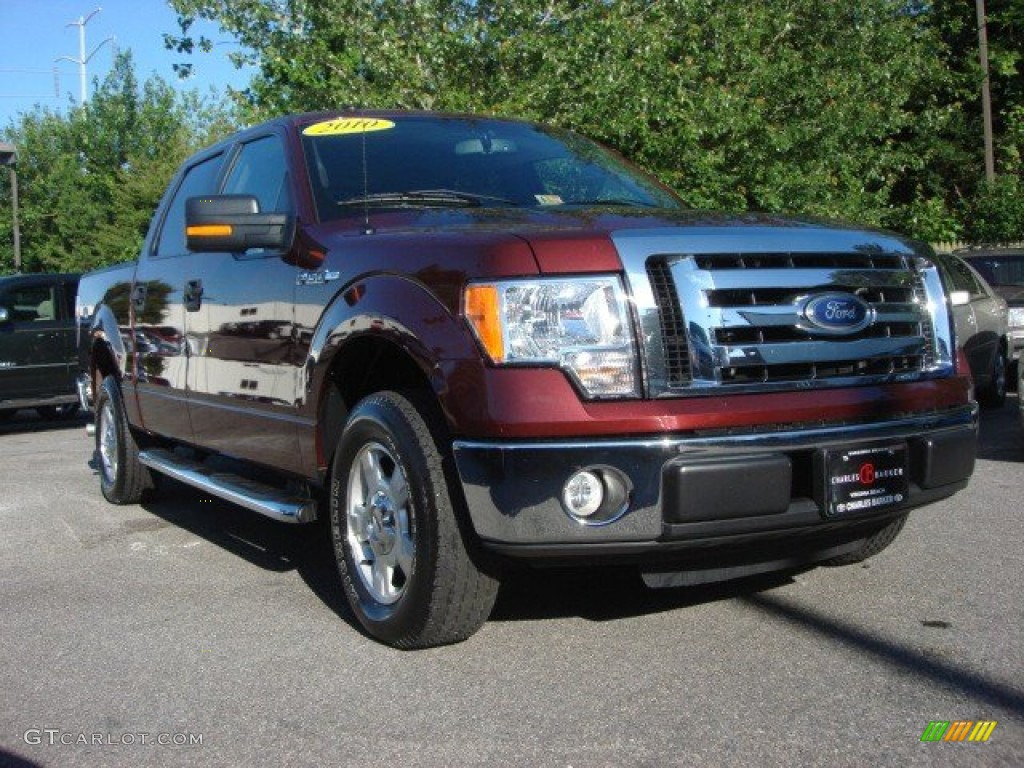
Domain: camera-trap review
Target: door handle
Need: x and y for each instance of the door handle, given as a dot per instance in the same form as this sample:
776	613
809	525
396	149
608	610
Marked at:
193	295
139	297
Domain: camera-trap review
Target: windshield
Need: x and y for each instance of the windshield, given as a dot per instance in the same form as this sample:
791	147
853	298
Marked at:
1000	269
429	161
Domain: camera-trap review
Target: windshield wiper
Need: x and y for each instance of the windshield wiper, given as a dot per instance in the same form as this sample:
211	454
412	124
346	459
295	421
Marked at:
424	197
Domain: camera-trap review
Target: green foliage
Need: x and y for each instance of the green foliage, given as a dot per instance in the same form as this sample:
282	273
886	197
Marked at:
862	110
996	213
866	110
928	218
90	179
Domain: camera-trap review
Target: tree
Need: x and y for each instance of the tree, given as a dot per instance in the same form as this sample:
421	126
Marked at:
90	179
950	187
781	105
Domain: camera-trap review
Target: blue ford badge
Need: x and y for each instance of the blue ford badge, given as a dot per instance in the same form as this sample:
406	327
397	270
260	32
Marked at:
836	314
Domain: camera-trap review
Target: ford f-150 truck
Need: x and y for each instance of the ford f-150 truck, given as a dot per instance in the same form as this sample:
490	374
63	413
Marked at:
466	341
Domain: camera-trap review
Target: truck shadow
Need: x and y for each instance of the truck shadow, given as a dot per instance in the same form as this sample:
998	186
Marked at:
600	593
902	658
266	543
1000	434
527	594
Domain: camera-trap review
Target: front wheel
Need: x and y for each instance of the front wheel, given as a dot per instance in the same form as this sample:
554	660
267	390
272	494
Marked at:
410	572
993	395
123	478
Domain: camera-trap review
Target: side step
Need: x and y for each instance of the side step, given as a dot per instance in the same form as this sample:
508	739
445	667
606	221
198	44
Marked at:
267	500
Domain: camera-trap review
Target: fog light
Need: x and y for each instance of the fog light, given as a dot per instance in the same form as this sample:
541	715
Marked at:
583	494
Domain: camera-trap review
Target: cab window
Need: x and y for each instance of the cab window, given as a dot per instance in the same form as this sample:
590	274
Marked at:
960	277
200	179
31	303
261	171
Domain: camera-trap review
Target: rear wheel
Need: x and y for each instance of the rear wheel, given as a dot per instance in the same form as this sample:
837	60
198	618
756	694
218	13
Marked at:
123	478
410	572
872	545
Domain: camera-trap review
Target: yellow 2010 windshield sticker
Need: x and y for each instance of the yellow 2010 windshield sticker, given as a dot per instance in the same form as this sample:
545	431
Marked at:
549	199
340	126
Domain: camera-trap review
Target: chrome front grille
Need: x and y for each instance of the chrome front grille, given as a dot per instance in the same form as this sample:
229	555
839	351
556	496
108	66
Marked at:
736	320
675	352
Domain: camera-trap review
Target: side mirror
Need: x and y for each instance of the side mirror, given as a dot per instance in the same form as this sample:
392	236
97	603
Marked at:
4	315
959	298
234	223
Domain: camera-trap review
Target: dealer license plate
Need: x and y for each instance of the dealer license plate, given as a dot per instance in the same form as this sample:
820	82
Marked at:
865	479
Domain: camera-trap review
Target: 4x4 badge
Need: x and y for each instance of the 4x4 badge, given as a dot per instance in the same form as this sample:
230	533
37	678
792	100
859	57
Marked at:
315	278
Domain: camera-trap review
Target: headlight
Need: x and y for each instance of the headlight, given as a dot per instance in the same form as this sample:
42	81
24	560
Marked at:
1016	317
580	324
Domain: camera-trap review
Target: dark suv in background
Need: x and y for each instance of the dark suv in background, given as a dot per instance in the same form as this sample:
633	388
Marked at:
37	344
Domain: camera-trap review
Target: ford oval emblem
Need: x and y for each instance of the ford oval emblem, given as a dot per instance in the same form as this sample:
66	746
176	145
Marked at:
836	314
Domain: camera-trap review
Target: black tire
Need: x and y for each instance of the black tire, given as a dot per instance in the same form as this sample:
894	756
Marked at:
993	394
7	413
123	478
65	411
872	545
410	571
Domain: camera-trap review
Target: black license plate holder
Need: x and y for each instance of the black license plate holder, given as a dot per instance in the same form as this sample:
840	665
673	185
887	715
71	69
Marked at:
865	479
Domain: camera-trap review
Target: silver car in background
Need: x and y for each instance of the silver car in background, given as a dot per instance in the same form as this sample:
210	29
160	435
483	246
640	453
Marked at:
1003	270
980	317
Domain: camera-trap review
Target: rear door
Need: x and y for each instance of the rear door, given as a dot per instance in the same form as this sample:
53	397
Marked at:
157	336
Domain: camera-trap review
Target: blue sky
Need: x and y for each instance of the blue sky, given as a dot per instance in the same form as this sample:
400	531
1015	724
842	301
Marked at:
34	33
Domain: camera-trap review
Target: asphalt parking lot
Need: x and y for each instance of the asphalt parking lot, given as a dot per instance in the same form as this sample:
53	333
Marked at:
188	631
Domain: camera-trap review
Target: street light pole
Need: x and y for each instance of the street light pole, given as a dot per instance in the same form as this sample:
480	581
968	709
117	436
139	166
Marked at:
9	157
82	59
986	96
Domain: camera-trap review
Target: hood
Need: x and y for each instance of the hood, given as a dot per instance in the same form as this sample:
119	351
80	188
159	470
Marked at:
576	239
1012	294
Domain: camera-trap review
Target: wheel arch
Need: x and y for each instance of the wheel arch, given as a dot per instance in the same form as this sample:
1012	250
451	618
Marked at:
381	332
365	365
109	354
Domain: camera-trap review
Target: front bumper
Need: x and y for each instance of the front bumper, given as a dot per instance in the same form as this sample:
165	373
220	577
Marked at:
1016	342
701	492
83	385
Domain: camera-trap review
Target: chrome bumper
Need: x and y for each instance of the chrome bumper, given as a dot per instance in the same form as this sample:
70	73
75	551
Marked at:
84	386
514	490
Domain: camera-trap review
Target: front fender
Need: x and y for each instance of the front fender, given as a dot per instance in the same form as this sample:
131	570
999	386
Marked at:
397	309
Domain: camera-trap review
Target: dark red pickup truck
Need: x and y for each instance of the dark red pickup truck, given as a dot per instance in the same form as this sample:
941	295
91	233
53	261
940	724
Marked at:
468	340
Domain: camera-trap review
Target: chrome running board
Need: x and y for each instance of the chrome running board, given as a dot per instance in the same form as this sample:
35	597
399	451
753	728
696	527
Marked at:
265	499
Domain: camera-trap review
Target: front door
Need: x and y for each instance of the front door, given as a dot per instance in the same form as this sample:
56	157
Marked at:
36	341
244	371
